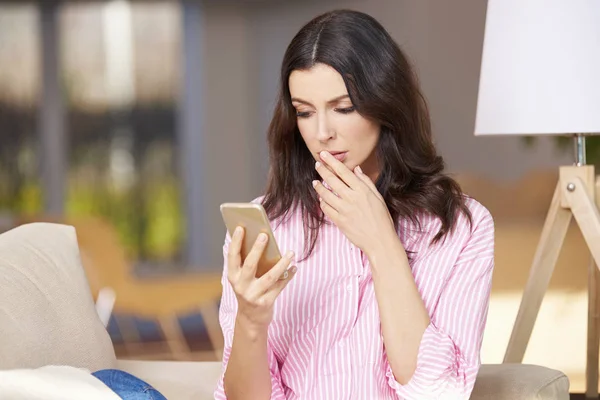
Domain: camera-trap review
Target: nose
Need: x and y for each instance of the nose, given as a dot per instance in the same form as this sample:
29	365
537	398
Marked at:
325	131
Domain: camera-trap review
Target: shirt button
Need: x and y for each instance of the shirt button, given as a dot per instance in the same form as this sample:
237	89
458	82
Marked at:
349	288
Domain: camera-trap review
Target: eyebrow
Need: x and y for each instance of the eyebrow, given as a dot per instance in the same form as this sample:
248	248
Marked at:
332	101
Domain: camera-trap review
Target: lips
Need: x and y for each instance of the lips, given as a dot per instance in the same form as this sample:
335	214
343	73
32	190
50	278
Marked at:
339	155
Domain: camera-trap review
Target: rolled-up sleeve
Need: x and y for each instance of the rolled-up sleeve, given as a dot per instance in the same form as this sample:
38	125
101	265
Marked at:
449	353
227	315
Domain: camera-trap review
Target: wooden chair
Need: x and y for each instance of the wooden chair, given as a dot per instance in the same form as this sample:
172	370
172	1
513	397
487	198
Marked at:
163	298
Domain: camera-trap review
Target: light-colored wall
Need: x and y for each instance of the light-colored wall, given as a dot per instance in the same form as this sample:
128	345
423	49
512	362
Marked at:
228	158
444	40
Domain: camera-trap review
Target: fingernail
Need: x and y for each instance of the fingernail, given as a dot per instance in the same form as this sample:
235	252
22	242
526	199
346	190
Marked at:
290	255
315	183
324	154
359	169
294	269
262	237
317	164
237	231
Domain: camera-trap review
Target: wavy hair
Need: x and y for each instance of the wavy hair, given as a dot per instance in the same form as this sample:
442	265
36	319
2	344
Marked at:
383	87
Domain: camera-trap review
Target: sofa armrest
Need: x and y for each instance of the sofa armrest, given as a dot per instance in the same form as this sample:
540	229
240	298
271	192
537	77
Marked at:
520	382
184	380
181	380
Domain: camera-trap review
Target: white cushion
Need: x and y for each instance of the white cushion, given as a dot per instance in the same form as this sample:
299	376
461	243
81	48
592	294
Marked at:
47	314
53	383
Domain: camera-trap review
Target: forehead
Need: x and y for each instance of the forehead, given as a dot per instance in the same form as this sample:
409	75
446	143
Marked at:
321	82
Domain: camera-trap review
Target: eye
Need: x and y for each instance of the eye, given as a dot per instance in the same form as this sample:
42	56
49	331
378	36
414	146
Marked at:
347	110
302	114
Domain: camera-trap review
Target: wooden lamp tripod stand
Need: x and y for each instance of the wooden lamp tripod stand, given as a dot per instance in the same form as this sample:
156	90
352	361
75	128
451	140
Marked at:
539	76
577	194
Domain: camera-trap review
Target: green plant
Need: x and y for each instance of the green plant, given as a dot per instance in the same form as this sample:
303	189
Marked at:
159	216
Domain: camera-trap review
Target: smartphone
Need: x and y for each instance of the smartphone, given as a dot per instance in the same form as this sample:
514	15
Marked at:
253	218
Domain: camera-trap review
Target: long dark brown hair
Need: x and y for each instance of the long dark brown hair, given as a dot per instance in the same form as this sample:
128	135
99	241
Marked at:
382	87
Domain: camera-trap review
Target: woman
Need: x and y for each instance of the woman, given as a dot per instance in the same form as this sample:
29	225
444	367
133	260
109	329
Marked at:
389	294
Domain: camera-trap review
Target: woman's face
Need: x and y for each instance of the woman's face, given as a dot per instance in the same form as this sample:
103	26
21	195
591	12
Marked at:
327	119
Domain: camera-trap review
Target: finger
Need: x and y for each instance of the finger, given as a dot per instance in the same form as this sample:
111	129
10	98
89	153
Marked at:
367	181
336	184
265	282
327	195
329	211
234	258
251	261
272	293
340	169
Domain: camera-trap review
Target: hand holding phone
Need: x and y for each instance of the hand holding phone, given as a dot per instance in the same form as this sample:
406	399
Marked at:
251	235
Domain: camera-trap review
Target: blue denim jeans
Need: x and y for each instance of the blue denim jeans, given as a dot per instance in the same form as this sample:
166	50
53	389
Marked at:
127	386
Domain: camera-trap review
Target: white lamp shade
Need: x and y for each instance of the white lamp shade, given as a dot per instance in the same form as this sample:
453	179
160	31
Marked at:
540	71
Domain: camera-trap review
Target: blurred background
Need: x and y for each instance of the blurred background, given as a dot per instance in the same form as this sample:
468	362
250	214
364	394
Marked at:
134	120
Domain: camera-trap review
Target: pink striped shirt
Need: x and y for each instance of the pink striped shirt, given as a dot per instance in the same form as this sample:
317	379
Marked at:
325	340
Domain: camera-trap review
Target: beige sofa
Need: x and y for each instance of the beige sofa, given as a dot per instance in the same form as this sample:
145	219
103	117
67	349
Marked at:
47	317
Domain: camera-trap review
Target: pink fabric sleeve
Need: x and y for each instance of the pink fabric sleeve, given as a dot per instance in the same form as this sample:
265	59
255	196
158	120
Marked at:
449	354
227	315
